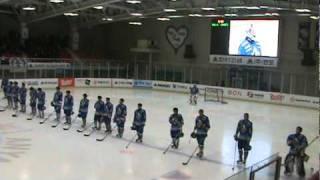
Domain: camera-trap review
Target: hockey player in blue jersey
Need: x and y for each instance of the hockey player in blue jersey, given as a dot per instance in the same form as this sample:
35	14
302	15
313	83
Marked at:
250	46
57	102
68	107
23	97
139	122
297	143
202	125
120	117
83	110
243	136
41	101
15	95
33	101
10	95
4	85
194	92
176	121
107	115
99	107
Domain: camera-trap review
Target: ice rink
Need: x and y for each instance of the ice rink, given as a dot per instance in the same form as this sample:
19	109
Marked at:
30	151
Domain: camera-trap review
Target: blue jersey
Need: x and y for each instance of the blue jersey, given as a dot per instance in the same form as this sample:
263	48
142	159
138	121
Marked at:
99	107
22	94
15	91
4	83
244	129
194	91
57	98
41	97
249	47
202	124
84	105
121	111
108	109
33	96
68	102
176	121
139	117
298	143
9	90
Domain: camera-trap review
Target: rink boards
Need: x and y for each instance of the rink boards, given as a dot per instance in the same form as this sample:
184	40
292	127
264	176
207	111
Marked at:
242	94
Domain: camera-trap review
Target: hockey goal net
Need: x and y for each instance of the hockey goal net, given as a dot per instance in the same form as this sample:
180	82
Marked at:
213	94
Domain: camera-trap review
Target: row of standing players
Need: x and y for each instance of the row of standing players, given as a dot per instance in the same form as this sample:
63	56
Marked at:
104	111
297	142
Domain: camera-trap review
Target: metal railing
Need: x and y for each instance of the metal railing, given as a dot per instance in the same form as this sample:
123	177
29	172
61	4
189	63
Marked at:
236	77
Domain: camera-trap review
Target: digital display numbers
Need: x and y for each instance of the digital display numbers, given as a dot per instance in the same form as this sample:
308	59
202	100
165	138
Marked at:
220	23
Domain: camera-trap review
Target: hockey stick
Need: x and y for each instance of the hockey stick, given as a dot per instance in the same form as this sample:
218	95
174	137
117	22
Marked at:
57	124
41	122
69	125
106	135
234	156
80	130
90	132
167	149
191	156
164	152
131	141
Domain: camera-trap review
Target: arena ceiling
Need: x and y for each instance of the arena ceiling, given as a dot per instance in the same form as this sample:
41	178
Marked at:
93	12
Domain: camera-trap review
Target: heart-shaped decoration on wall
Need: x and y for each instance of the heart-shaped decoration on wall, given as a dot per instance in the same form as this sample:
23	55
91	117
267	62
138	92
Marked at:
177	36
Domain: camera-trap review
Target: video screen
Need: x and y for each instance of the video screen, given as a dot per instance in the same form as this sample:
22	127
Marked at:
254	37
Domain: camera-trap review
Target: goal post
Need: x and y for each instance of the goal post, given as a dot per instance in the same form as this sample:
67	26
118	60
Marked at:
214	94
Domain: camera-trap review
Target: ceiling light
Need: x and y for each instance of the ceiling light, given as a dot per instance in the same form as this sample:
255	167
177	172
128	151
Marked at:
230	15
304	14
303	10
98	7
175	16
170	10
135	14
212	15
133	1
135	23
71	14
252	7
56	1
107	19
314	17
271	14
163	19
208	9
195	15
29	8
237	7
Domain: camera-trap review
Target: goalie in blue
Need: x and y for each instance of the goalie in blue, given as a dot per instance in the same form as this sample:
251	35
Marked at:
296	156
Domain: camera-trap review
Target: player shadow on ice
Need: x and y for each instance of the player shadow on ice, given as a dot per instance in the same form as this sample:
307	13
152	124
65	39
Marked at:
174	152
